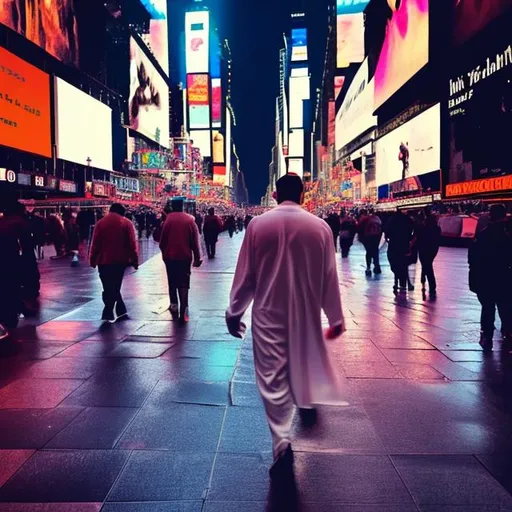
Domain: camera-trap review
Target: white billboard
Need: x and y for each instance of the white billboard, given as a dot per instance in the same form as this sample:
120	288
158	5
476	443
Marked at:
83	127
296	165
299	91
412	149
149	98
202	139
296	143
356	113
197	30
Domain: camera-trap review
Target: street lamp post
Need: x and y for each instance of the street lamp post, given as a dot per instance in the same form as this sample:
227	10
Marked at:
85	174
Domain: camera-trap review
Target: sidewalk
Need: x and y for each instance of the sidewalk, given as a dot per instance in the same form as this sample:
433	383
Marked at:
143	416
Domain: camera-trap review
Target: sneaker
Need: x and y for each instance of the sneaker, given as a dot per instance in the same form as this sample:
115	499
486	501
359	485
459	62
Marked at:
4	333
184	317
108	316
173	308
486	342
121	311
377	270
368	272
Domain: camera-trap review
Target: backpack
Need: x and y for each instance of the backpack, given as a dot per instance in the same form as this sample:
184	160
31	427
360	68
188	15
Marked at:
373	226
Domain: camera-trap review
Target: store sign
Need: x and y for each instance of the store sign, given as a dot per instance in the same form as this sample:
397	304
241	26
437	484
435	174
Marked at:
7	175
38	181
51	182
24	179
99	189
462	87
67	186
483	186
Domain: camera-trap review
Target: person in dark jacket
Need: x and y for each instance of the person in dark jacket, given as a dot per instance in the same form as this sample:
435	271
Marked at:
428	239
490	276
333	220
399	233
212	227
348	232
230	226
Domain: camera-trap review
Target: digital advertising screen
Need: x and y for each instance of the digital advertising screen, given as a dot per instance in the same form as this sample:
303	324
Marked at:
350	39
350	6
24	106
299	44
52	25
158	31
149	98
338	85
410	150
216	103
83	127
299	91
197	29
471	16
202	139
404	50
356	113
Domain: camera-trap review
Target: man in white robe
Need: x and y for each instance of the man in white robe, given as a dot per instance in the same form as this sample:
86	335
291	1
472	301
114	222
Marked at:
287	266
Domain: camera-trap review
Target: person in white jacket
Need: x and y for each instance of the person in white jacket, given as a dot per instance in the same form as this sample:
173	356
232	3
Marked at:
287	266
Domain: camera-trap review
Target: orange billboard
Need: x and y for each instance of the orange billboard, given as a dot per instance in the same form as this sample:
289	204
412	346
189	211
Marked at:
24	106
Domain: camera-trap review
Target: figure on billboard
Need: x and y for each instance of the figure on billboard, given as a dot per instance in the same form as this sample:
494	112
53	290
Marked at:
196	43
403	156
50	25
146	96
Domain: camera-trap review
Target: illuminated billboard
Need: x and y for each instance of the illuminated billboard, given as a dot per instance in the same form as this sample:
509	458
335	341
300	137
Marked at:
338	85
405	48
202	139
158	39
350	6
471	16
83	127
198	91
51	25
197	29
356	113
296	148
412	149
149	98
299	44
299	91
350	39
219	174
216	103
24	106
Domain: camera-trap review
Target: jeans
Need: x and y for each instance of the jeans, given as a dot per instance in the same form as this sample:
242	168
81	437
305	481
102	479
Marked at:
427	271
490	301
371	244
211	246
112	278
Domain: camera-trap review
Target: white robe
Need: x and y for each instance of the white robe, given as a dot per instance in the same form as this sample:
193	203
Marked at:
287	266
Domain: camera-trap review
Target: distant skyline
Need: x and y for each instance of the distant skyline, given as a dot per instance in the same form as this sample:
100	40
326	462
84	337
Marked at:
255	35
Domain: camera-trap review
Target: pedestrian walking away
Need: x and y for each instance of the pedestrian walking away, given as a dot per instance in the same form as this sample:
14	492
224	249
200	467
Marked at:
179	243
113	249
369	231
292	361
428	240
212	227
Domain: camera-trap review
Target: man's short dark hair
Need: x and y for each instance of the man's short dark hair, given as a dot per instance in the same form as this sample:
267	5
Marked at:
289	188
118	208
498	212
177	205
211	211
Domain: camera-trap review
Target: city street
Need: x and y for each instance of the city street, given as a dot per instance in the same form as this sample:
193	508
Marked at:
145	416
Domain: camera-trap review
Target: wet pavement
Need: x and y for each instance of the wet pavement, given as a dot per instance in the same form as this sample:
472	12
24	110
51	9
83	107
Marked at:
144	416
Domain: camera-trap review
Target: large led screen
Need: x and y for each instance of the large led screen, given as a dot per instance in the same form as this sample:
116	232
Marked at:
350	39
83	127
356	113
158	31
24	106
202	139
52	25
197	28
216	103
405	48
299	44
198	93
350	6
299	91
471	16
149	98
412	149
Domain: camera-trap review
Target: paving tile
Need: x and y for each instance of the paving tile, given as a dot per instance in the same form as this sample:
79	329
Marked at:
40	350
36	393
450	480
68	476
66	330
115	332
162	506
364	370
165	329
412	371
149	350
240	477
198	370
215	354
464	508
88	349
245	394
11	461
51	507
340	430
65	368
33	428
350	479
177	427
163	476
245	431
413	356
93	429
203	393
500	466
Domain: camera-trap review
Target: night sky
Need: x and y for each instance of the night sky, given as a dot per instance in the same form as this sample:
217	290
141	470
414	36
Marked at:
254	30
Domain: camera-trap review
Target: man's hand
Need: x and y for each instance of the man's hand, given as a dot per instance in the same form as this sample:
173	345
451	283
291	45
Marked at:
236	327
334	332
198	263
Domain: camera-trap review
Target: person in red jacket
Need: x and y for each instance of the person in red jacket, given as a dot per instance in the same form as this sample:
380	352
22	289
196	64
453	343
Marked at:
179	243
113	249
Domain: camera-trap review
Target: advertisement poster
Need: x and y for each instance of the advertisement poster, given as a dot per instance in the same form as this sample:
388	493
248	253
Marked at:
198	89
52	25
350	6
158	31
405	48
299	44
24	106
411	150
83	127
338	85
350	39
197	29
471	16
149	98
216	103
